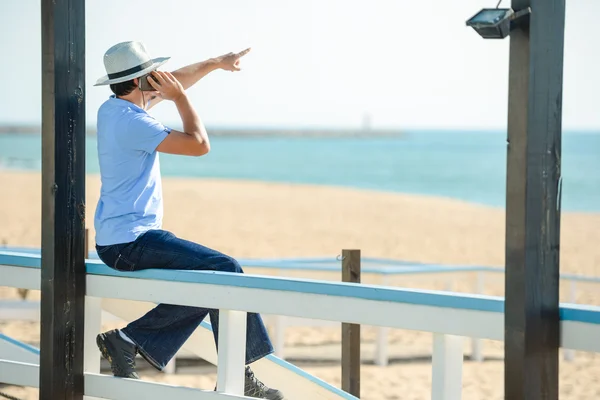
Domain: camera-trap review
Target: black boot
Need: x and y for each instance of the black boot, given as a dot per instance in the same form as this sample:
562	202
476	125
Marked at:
119	353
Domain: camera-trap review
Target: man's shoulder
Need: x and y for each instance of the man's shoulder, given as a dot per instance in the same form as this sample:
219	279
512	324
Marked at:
118	110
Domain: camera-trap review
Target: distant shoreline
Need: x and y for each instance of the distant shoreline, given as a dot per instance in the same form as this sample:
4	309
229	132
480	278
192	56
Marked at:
247	132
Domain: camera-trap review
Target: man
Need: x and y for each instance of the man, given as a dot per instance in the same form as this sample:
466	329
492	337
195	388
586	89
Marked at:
129	214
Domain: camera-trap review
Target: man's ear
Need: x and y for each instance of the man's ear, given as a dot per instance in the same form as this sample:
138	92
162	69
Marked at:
136	81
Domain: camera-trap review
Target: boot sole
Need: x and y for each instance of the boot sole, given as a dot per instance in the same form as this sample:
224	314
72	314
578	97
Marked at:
100	342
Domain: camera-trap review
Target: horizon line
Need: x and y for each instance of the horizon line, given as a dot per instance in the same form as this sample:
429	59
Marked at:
29	127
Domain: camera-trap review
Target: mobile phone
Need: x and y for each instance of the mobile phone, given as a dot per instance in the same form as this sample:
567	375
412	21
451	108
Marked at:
145	85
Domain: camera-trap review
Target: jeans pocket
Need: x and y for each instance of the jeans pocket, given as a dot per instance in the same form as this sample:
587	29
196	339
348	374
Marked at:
118	256
122	263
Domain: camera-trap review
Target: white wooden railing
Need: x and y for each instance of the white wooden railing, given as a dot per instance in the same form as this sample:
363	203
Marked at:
450	317
383	270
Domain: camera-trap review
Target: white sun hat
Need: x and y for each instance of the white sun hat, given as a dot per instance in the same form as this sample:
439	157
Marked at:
127	60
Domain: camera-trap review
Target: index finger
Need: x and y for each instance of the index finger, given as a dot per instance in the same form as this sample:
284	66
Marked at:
158	75
244	52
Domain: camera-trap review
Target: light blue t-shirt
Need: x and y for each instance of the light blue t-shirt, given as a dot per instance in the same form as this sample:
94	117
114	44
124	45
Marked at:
131	193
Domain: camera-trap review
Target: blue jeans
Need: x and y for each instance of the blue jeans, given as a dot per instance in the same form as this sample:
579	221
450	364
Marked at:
163	330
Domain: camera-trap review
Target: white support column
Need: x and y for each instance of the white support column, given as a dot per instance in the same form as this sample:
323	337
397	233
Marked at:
381	347
92	326
231	352
279	325
569	354
447	367
383	332
476	344
93	322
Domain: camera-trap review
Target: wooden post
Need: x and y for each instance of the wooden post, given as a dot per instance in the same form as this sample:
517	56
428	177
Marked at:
63	199
351	332
533	203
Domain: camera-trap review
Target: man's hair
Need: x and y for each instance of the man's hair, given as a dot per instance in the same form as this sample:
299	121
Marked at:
123	88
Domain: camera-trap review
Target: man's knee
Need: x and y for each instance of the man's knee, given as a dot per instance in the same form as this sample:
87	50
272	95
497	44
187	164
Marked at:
229	264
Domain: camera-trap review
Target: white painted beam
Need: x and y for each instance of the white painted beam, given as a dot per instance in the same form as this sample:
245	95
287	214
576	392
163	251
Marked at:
20	277
109	387
580	336
19	374
16	352
460	322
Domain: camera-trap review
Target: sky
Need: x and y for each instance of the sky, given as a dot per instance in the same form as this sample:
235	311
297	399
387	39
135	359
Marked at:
314	63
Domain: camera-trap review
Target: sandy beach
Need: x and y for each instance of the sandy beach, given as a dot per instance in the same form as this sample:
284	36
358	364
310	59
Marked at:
255	219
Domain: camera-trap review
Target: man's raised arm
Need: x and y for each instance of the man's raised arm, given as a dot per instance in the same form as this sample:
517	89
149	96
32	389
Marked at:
191	74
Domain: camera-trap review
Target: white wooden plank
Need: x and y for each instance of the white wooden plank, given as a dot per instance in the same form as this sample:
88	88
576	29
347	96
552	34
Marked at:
231	352
109	387
29	310
447	367
299	322
489	325
13	352
20	374
580	336
20	277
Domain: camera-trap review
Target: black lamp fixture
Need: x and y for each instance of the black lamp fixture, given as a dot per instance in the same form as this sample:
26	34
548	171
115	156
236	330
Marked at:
497	23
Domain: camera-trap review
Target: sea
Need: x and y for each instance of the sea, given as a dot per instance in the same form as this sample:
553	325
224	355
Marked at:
464	165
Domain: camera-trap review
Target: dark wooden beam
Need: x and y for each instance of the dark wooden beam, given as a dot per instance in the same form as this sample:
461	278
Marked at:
351	332
63	199
533	203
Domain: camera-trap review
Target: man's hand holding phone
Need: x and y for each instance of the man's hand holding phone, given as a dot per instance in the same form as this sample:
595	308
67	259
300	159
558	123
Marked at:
167	86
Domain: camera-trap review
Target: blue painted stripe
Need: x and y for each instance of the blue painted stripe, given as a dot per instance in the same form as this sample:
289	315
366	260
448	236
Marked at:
20	259
22	345
32	260
298	371
580	313
387	266
580	278
368	292
311	378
